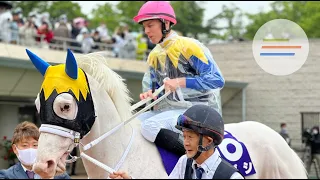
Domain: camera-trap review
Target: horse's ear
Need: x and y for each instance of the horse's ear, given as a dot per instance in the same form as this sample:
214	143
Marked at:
40	64
71	65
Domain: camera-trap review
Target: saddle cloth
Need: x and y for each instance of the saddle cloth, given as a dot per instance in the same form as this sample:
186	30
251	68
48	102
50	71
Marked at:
231	150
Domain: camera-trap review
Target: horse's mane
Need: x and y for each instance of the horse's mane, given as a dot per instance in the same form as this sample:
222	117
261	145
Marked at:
95	64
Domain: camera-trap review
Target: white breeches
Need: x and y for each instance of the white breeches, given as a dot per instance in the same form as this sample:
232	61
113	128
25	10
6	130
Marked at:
153	121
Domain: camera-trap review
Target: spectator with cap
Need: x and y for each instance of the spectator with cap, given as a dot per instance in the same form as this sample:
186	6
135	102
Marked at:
63	19
86	41
35	18
18	16
16	24
62	31
14	29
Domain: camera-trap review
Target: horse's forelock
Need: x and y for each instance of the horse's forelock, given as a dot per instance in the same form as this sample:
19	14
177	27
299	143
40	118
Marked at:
95	65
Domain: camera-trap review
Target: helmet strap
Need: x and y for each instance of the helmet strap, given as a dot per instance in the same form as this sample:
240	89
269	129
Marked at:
164	30
201	148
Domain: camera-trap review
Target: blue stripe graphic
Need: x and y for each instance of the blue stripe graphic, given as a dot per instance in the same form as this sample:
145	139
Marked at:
277	54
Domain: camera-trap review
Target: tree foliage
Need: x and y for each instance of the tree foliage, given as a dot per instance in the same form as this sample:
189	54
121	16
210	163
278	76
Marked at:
304	13
69	8
189	16
128	10
29	6
105	13
54	8
233	17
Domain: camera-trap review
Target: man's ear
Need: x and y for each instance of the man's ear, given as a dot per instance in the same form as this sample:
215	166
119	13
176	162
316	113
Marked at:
210	140
14	148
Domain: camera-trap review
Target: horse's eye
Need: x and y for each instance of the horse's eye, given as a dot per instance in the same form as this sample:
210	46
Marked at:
65	106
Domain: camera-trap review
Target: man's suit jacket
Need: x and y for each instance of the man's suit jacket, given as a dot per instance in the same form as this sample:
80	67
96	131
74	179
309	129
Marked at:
17	172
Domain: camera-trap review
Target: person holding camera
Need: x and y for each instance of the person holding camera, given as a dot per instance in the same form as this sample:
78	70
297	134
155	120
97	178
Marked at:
315	144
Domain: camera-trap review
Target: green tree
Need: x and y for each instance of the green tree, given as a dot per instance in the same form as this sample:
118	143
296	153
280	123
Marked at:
232	15
304	13
189	16
128	10
71	9
310	19
105	13
29	6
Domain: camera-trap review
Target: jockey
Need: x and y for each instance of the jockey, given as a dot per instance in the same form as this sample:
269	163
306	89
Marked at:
203	130
184	66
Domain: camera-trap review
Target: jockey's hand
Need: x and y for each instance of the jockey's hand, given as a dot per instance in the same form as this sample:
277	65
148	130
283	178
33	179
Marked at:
173	84
120	175
147	94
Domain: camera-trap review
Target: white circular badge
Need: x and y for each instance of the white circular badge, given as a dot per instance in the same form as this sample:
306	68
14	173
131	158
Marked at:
280	47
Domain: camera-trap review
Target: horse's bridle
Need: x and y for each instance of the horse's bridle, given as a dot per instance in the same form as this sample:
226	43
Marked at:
75	136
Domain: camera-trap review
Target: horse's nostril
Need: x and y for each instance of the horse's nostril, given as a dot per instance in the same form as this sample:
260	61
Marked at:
50	163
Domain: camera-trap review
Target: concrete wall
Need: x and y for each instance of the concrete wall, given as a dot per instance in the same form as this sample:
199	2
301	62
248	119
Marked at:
135	87
232	109
8	121
271	99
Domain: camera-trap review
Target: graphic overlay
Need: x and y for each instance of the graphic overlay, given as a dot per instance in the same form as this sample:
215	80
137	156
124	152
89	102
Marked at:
280	47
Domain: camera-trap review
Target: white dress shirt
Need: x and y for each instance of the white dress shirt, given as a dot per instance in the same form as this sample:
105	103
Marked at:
210	165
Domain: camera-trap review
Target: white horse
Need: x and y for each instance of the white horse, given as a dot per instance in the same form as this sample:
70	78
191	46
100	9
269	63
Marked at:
270	154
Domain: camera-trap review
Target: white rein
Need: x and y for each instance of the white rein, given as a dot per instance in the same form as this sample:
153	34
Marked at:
76	136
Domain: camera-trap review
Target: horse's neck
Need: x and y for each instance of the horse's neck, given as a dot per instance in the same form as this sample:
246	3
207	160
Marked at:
110	150
143	159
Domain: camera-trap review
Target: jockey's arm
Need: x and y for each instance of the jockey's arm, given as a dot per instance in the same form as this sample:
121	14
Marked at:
209	75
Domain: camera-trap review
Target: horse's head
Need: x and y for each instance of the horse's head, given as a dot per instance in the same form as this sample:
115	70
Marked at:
66	111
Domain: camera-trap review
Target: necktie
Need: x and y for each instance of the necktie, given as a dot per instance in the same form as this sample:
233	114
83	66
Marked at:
30	174
199	171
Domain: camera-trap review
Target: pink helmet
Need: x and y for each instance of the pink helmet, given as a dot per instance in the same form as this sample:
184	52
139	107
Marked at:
156	10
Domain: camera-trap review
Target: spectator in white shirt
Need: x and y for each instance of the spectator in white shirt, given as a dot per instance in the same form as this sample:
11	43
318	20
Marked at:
103	32
86	41
5	21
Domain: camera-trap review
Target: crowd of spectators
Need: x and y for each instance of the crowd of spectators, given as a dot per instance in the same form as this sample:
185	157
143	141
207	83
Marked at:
38	29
